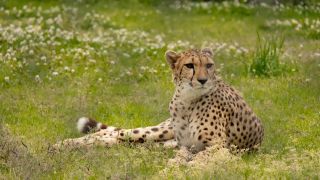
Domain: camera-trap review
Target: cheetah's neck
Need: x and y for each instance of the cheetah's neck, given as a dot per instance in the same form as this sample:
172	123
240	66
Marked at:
185	98
183	102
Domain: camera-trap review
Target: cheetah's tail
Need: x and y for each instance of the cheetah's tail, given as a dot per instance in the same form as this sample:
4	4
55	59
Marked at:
87	125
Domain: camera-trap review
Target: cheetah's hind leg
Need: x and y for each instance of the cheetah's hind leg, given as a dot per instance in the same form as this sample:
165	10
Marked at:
108	135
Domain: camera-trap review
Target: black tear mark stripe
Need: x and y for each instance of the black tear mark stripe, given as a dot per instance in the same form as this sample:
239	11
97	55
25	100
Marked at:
181	71
207	70
193	71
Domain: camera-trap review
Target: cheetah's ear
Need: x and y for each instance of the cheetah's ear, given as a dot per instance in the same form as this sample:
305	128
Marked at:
207	51
172	57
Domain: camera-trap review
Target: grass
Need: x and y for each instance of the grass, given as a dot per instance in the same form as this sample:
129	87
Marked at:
266	59
105	59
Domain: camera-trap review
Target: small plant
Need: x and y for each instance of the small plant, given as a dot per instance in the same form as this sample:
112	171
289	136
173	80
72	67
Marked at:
266	59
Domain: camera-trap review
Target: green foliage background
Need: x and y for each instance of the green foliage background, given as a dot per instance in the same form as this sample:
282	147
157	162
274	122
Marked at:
60	60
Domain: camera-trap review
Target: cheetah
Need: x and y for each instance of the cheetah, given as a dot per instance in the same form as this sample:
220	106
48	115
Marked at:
204	111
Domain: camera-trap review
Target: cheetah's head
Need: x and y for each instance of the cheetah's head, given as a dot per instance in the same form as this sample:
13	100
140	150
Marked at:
193	69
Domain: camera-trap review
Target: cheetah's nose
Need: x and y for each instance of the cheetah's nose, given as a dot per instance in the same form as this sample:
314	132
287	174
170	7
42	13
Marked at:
202	81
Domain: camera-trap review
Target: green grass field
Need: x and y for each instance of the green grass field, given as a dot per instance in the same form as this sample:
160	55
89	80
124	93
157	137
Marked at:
105	59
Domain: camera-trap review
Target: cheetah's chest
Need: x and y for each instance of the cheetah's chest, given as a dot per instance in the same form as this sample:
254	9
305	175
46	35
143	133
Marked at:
182	114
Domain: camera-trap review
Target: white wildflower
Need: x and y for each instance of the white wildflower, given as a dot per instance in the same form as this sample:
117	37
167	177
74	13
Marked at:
152	70
7	78
143	68
66	68
43	58
37	78
294	21
49	21
126	55
129	73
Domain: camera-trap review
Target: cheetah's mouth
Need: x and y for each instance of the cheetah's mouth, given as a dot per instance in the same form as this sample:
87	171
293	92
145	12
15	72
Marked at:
201	87
197	86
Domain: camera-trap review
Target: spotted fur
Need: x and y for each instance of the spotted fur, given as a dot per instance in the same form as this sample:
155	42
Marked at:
204	111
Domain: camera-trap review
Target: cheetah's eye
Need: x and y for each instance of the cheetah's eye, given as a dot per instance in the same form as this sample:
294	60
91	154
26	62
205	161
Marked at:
190	66
209	66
